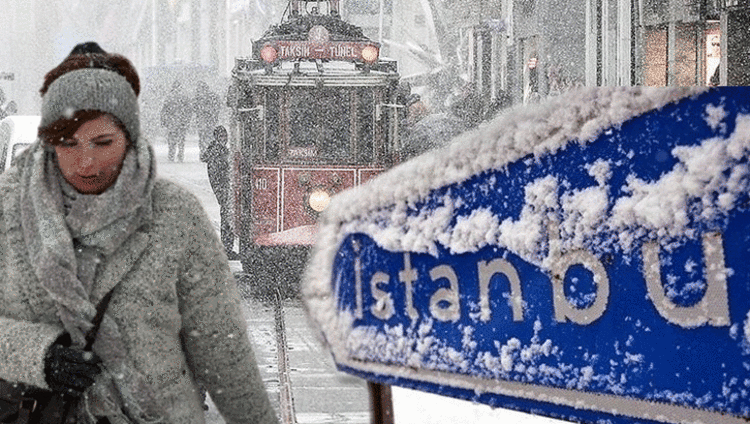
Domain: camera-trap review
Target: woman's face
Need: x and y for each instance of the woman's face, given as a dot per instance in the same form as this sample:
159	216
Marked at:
92	159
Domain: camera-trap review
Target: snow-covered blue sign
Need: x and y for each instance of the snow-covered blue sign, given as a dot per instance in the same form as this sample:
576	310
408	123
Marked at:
587	258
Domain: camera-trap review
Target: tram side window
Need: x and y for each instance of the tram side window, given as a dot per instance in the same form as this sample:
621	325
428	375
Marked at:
365	125
248	139
319	123
272	118
302	123
336	131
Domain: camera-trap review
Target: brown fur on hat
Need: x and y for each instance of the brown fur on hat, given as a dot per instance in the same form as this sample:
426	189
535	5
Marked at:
91	55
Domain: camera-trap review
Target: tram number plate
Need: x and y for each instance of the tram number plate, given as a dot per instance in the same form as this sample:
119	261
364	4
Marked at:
261	184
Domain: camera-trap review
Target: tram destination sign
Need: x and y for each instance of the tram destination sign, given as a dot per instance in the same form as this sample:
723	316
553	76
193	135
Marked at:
585	258
334	50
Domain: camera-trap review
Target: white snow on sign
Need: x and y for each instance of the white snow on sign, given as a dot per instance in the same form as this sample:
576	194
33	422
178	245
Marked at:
705	182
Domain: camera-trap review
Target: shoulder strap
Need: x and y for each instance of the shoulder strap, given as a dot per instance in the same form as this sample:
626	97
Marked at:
97	321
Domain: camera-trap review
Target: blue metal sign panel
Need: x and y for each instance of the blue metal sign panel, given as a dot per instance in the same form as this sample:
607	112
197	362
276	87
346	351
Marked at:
608	281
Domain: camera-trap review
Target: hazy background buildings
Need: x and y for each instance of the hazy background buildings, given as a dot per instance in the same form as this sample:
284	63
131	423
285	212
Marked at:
521	49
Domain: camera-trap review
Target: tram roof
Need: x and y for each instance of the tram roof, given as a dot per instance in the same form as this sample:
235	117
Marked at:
298	28
315	74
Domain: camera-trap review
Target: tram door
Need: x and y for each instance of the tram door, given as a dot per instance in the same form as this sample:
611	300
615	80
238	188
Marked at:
250	120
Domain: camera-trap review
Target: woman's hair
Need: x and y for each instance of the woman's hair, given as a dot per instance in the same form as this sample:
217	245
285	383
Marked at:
86	56
63	129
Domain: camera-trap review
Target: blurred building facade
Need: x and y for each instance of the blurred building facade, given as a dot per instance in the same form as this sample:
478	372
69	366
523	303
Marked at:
206	33
405	30
24	24
191	41
520	49
529	49
161	37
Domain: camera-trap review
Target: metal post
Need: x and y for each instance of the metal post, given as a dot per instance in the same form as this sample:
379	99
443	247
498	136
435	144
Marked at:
380	24
381	403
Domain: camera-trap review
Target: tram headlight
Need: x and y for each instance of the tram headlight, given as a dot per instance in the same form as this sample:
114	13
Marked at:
370	54
268	54
318	200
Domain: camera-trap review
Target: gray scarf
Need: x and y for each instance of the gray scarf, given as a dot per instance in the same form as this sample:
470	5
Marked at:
67	234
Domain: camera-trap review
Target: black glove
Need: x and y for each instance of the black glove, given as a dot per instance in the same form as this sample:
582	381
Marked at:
69	370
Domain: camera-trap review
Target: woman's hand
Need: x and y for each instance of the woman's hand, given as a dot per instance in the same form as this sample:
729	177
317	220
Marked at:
69	370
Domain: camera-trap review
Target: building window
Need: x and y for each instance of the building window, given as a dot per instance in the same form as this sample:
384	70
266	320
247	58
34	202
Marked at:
681	54
713	53
655	57
686	70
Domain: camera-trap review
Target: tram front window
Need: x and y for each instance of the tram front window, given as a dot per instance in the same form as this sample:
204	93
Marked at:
320	125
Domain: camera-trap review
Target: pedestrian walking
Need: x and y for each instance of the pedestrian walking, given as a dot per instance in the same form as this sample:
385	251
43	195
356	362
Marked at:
207	106
116	298
216	156
176	115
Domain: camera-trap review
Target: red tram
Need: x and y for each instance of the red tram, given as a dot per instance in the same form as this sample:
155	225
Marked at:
315	111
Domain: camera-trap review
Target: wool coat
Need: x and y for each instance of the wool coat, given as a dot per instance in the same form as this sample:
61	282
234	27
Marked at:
174	299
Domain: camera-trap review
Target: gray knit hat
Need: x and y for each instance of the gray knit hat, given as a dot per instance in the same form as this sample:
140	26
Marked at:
92	89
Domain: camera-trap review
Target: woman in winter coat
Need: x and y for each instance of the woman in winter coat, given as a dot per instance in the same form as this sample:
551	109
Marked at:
82	214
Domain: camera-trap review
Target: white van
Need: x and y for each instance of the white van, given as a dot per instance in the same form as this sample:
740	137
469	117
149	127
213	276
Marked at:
16	134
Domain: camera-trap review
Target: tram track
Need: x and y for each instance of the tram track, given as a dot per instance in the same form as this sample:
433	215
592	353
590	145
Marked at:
286	397
303	383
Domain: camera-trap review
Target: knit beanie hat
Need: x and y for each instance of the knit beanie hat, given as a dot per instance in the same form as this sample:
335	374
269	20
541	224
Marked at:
92	89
